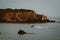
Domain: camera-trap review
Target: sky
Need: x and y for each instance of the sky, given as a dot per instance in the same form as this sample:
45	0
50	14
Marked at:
46	7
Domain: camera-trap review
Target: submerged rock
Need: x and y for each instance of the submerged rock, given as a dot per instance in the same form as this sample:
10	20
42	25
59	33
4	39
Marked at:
32	26
22	32
0	32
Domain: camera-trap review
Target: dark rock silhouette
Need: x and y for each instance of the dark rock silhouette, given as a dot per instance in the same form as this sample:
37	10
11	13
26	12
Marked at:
0	32
52	20
32	26
21	16
22	32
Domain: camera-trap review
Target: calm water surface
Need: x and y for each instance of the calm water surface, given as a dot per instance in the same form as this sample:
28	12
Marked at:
49	31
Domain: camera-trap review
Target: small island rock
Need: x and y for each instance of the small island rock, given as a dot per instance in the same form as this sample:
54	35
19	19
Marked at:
22	32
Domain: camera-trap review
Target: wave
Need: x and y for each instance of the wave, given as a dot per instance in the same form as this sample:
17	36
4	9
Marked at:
38	27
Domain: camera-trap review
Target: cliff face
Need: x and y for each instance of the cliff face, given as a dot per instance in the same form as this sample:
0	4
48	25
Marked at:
21	16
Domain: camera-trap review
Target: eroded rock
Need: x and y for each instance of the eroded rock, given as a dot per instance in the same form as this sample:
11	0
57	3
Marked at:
22	16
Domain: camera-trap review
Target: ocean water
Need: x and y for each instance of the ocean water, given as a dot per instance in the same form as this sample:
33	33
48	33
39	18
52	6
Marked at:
41	31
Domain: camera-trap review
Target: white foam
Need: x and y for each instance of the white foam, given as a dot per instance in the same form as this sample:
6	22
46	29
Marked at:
39	27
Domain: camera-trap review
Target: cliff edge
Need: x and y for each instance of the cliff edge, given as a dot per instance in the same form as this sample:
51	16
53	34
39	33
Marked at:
21	16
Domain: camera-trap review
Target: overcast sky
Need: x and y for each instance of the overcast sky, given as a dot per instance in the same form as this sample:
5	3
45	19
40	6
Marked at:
46	7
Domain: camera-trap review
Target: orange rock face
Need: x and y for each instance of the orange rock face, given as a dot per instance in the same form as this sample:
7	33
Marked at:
20	16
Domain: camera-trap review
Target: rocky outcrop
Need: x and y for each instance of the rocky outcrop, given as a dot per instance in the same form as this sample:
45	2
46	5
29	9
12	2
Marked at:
22	32
21	16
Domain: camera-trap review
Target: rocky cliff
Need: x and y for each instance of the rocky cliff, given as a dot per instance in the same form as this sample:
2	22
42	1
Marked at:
21	16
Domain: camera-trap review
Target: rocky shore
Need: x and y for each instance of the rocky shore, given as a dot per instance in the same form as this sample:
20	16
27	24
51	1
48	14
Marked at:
22	16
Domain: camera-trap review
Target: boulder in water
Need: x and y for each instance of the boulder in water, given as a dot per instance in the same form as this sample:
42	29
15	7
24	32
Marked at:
0	32
21	32
32	26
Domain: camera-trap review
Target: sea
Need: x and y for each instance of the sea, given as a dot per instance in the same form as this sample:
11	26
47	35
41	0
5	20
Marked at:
40	31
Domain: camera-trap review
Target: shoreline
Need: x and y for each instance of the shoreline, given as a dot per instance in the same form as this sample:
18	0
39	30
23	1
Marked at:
30	23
